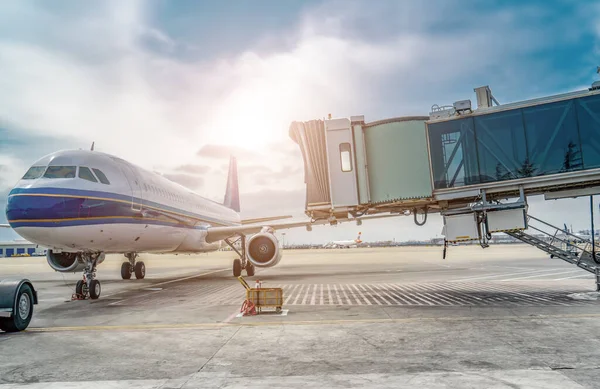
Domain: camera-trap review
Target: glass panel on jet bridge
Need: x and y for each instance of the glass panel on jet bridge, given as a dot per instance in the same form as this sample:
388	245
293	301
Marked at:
526	142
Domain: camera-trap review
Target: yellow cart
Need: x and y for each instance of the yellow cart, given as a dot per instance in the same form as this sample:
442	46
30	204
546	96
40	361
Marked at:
263	297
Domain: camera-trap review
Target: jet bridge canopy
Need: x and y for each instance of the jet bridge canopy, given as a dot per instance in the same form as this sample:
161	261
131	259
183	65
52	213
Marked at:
448	159
349	164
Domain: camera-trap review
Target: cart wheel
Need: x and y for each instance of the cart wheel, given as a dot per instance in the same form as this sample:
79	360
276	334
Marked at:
278	309
551	255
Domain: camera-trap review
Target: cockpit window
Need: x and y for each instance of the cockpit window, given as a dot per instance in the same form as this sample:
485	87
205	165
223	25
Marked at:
86	174
101	176
60	172
34	172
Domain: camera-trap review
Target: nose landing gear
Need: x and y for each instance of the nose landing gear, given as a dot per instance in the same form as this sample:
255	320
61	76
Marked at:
89	286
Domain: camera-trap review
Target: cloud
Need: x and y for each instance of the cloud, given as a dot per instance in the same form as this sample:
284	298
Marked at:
223	152
105	72
194	169
285	147
269	202
95	77
11	170
190	182
254	169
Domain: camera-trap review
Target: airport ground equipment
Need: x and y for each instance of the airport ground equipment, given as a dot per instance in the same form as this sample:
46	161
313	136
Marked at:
474	166
17	298
262	297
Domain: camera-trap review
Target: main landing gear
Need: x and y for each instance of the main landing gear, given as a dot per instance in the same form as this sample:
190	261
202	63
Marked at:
133	267
242	262
89	286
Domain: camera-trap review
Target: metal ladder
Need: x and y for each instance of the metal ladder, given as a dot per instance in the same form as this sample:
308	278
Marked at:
573	250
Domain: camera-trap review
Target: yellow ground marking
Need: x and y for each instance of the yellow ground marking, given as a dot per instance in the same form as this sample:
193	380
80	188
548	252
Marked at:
177	326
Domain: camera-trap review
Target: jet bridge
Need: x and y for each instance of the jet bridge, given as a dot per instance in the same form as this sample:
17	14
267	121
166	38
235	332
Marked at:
475	166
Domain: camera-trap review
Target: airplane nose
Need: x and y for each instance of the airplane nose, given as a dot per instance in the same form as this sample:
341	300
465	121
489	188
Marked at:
22	210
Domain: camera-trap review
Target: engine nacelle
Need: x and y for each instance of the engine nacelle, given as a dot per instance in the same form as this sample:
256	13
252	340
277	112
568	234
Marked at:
68	262
262	250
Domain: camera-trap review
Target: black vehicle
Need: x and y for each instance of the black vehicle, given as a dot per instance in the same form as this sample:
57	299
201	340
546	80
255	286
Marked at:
17	298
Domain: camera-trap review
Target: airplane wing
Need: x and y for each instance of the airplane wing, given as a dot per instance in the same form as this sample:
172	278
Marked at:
265	219
215	234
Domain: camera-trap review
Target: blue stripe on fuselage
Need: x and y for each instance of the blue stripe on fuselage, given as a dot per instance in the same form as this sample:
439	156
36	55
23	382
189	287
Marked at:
49	206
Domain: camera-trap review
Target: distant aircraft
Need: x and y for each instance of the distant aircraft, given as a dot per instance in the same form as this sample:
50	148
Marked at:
345	243
573	237
82	204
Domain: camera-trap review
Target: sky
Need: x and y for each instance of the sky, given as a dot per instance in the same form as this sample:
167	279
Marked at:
178	86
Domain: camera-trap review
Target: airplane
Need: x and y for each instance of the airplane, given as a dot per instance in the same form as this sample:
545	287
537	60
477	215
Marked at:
84	204
573	237
345	243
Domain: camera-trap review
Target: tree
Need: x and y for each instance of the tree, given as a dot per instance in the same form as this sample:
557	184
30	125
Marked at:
527	169
572	160
502	173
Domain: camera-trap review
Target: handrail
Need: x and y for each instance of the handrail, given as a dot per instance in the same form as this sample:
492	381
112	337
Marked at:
556	228
559	239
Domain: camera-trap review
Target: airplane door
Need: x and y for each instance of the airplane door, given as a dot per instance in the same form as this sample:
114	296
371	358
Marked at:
135	185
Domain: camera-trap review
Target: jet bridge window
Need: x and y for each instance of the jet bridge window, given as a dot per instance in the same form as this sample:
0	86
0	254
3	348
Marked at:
60	172
101	176
34	172
345	157
86	174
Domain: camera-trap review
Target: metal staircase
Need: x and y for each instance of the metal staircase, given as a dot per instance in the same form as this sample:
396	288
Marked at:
561	244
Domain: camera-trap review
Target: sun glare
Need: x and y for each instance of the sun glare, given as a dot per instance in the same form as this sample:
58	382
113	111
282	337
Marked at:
255	114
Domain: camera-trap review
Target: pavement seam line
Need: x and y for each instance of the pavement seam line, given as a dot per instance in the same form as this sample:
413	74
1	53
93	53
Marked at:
219	349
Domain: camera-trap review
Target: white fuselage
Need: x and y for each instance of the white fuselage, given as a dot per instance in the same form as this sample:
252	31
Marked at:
138	211
345	243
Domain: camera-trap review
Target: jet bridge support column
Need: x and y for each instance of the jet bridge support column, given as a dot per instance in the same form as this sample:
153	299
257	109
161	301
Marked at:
594	257
593	230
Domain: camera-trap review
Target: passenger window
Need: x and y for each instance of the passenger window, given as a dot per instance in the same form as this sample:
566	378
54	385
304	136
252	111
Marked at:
86	174
34	172
60	172
101	176
345	157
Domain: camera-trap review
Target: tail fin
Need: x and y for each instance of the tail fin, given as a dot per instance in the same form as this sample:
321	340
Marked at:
232	192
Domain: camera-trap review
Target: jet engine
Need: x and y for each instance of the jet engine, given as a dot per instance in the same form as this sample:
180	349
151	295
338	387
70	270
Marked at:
67	262
262	250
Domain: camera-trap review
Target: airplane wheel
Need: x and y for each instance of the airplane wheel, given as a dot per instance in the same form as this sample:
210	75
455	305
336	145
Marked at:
237	267
125	270
250	269
95	289
81	288
140	270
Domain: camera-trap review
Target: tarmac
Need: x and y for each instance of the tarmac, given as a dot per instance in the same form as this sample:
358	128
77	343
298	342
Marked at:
504	317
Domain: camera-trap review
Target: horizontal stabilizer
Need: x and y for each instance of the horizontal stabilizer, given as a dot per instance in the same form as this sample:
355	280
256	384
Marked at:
4	225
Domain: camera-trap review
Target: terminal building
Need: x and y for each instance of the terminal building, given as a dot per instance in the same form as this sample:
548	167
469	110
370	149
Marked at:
20	248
